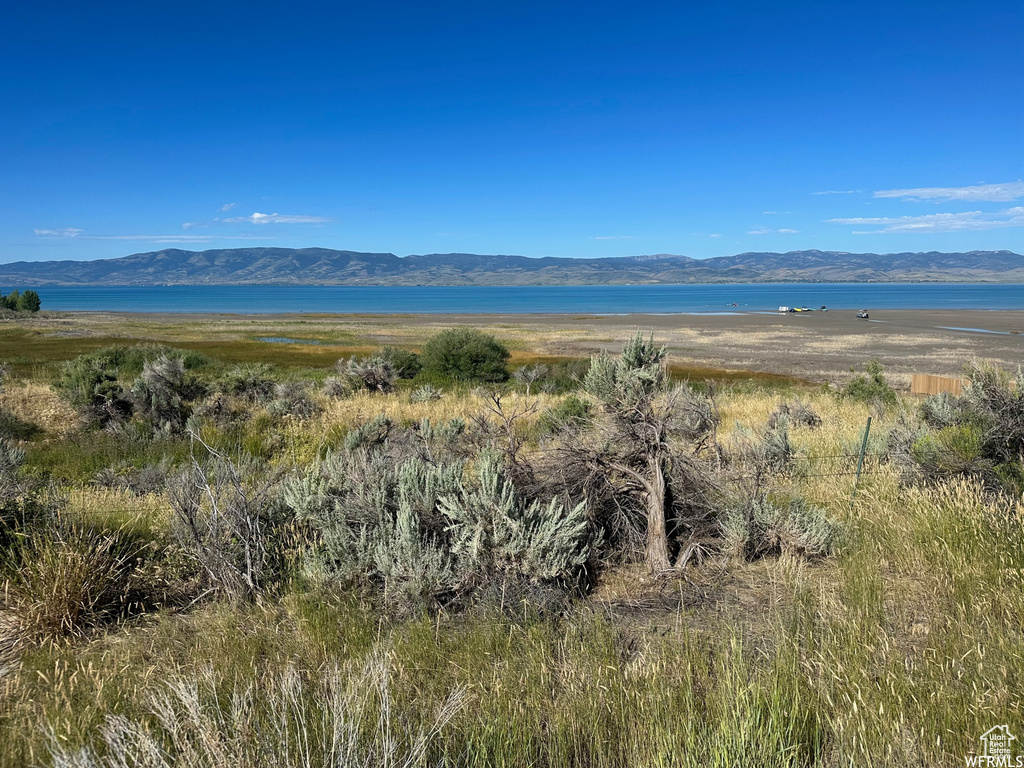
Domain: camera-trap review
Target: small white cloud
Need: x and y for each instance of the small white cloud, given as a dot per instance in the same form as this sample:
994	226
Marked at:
839	192
787	231
62	232
189	224
775	213
615	237
227	207
277	218
968	221
766	231
989	193
715	234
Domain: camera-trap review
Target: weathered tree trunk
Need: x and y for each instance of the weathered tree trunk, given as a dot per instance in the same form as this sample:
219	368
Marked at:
657	536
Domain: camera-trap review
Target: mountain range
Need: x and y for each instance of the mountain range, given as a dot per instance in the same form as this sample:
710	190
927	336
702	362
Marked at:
323	266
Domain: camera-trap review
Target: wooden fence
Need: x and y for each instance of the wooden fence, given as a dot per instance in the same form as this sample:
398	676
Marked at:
926	384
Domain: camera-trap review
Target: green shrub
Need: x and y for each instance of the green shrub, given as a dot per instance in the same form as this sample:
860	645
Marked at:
405	364
872	388
21	504
978	433
942	410
573	413
164	392
418	533
251	382
498	536
99	382
465	354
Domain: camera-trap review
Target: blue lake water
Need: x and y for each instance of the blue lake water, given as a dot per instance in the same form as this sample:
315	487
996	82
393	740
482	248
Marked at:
592	299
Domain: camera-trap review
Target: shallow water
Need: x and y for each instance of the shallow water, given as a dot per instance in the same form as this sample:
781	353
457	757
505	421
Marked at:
594	299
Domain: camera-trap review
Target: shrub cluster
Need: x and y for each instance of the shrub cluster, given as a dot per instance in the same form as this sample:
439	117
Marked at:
395	509
871	386
465	354
980	432
432	514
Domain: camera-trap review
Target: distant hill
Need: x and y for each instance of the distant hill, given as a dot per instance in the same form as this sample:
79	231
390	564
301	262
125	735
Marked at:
322	266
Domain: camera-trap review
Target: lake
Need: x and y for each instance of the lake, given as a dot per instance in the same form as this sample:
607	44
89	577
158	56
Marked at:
591	299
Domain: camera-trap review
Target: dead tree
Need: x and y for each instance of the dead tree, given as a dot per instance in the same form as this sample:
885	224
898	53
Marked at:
230	522
528	375
644	419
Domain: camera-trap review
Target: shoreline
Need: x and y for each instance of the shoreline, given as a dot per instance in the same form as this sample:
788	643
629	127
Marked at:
820	346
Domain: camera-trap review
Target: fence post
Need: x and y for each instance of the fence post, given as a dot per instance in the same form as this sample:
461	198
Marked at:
860	462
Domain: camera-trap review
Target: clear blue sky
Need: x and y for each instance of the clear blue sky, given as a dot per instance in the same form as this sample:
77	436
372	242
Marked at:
542	129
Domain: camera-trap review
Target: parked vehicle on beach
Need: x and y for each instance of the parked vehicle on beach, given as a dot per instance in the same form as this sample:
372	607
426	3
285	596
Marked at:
863	314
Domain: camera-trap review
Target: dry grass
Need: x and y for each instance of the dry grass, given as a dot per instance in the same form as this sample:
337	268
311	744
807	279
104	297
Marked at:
39	404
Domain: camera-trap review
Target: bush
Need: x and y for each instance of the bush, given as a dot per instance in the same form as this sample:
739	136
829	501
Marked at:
425	394
98	383
374	374
942	410
150	479
254	383
573	413
291	398
338	387
499	537
164	392
795	528
528	375
22	302
230	520
872	388
465	354
766	454
404	363
419	534
995	402
797	413
20	503
370	434
979	433
91	385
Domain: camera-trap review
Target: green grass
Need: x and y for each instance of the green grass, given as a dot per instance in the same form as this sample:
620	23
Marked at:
75	460
900	649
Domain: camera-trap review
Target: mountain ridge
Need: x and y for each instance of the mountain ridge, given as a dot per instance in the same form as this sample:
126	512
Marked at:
325	266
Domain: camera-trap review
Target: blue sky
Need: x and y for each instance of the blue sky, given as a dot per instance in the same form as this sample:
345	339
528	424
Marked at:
542	129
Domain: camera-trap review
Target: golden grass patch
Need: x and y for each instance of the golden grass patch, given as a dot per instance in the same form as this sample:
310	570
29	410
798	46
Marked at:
39	404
